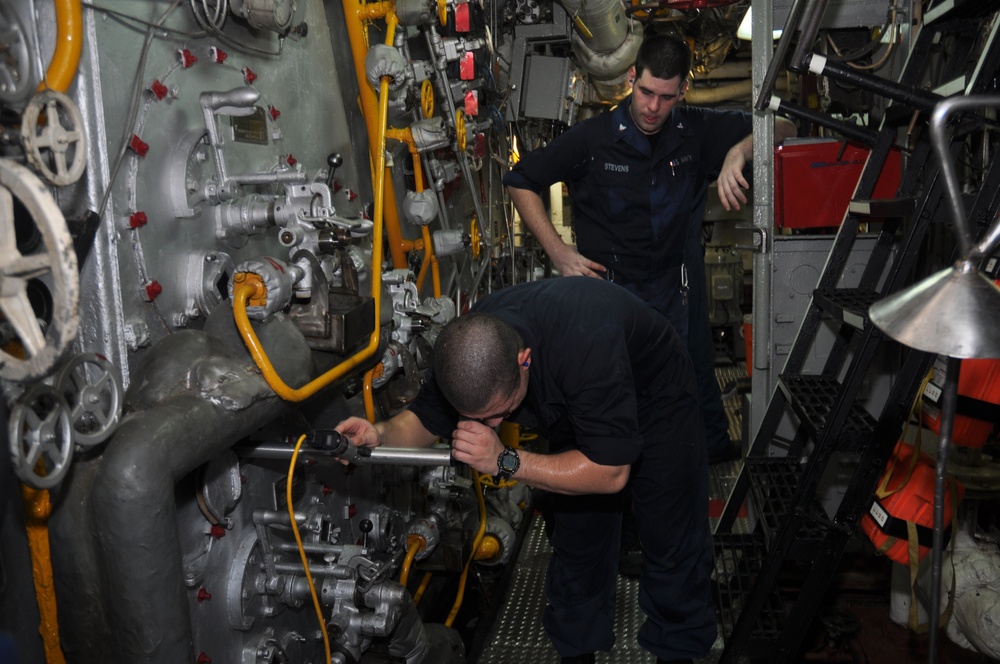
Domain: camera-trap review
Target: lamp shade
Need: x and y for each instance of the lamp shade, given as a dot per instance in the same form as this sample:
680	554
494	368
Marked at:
955	312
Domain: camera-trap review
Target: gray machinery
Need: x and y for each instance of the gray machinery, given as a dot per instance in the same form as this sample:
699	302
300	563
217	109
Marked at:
225	225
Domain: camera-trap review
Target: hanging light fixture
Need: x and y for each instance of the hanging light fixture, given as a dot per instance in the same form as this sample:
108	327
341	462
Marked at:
953	313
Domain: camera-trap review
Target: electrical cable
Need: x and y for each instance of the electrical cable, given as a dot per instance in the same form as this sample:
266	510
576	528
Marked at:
135	19
479	481
302	549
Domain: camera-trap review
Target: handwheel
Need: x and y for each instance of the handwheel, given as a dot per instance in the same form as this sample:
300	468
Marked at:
15	66
53	140
93	391
41	438
32	352
427	98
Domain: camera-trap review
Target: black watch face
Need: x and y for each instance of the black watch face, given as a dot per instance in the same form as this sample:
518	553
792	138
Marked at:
508	461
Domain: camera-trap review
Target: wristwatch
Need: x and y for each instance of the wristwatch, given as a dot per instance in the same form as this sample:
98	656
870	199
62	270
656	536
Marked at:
507	463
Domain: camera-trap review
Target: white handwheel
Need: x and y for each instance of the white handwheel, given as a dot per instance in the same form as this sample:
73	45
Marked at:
52	133
15	66
93	391
41	438
27	351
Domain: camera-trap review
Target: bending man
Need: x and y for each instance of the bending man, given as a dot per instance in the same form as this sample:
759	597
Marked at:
606	380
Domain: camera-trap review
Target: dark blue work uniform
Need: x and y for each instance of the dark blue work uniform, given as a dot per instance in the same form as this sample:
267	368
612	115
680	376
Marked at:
610	377
637	209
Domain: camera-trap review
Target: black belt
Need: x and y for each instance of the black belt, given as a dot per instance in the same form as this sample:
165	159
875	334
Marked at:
637	269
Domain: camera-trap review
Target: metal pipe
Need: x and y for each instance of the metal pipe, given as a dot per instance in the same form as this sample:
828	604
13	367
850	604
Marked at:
356	14
807	35
866	136
380	456
939	142
780	53
907	95
949	400
136	526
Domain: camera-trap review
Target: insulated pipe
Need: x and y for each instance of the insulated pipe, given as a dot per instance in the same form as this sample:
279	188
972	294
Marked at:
604	24
69	46
179	423
605	43
908	95
430	259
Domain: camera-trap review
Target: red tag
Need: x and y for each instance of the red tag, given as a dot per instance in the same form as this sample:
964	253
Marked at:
462	17
472	102
467	66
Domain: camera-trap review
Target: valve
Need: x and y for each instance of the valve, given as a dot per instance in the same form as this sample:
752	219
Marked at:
334	161
52	134
94	394
40	437
42	345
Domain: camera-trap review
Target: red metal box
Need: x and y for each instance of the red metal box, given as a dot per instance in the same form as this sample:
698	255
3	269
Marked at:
814	180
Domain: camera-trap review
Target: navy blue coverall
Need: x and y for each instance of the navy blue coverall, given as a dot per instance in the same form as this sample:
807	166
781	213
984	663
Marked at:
637	207
610	377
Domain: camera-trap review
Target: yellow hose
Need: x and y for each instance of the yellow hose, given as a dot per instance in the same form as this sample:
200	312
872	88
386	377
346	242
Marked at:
302	549
416	545
460	595
69	46
423	586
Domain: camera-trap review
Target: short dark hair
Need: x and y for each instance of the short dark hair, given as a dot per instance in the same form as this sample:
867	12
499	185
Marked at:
475	359
665	56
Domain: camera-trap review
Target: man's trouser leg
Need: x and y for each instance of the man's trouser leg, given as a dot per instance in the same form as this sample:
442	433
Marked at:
670	489
583	572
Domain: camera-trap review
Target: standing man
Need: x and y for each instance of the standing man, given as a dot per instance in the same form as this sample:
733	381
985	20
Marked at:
606	380
638	177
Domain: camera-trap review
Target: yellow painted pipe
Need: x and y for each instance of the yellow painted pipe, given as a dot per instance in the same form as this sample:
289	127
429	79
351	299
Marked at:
430	260
368	397
37	508
252	286
69	45
356	14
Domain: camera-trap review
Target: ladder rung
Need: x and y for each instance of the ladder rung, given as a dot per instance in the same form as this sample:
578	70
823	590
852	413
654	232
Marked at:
882	207
813	397
738	562
847	305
